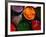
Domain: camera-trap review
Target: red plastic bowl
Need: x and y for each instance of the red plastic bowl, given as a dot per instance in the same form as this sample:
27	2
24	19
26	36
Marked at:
36	25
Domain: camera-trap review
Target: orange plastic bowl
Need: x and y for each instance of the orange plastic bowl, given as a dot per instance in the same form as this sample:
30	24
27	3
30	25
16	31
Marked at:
29	13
